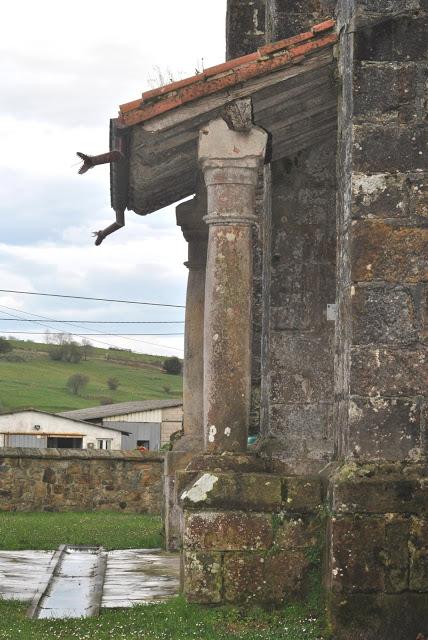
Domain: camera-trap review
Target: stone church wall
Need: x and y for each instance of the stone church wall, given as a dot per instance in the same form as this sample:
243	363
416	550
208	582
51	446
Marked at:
74	480
377	575
300	350
382	368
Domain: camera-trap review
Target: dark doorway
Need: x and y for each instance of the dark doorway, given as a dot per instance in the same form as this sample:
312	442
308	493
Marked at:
143	443
55	442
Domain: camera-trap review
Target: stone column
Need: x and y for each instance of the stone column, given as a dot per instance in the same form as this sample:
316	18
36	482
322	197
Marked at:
230	161
190	219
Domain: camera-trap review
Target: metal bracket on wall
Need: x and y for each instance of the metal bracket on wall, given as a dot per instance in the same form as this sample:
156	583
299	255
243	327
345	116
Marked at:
331	312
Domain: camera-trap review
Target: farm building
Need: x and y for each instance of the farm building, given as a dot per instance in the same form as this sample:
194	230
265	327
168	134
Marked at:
150	423
41	430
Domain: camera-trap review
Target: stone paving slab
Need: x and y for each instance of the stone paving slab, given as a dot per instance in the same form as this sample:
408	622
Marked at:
136	576
133	576
22	573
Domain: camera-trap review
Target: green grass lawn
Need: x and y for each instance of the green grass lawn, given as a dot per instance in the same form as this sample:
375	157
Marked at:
108	529
40	383
174	620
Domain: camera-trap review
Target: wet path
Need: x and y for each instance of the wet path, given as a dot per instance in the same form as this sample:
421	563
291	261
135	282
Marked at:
75	587
131	577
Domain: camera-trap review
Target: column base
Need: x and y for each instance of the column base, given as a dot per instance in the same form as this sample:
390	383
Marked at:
249	535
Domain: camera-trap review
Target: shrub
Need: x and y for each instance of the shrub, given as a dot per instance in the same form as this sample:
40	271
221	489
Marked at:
77	382
172	365
113	384
65	349
5	346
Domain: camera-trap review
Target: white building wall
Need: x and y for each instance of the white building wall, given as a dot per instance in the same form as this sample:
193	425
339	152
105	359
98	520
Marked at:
50	425
172	421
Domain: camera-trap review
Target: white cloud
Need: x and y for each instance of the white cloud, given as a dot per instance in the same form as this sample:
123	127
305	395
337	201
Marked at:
65	69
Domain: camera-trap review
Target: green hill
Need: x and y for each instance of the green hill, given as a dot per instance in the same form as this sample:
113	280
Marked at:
29	378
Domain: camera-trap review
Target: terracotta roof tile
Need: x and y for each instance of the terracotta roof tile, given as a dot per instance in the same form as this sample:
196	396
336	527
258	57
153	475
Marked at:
228	74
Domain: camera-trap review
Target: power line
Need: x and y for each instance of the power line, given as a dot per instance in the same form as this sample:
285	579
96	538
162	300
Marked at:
100	321
86	335
60	295
154	344
47	326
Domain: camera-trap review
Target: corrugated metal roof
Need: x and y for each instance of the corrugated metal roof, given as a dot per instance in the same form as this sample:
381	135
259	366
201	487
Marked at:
119	409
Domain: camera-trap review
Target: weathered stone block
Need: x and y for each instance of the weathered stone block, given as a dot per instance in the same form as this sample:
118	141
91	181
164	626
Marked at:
176	461
244	577
423	314
385	147
380	195
294	378
202	577
304	431
227	531
384	252
384	428
297	533
237	462
300	293
379	616
386	371
373	104
384	315
249	491
183	479
267	578
418	189
387	7
286	18
380	488
357	545
302	494
402	39
245	27
396	553
418	580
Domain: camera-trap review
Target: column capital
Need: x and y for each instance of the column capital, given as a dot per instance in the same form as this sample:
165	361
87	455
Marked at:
220	146
230	161
190	217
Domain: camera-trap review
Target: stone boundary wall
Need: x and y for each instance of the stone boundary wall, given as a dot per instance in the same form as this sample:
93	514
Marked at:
80	480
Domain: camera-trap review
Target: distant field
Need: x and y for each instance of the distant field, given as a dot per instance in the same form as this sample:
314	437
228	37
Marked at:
41	383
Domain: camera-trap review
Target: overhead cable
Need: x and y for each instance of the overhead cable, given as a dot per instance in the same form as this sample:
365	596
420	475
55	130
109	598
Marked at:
61	295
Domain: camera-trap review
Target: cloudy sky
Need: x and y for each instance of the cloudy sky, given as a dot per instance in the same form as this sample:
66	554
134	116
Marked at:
64	69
